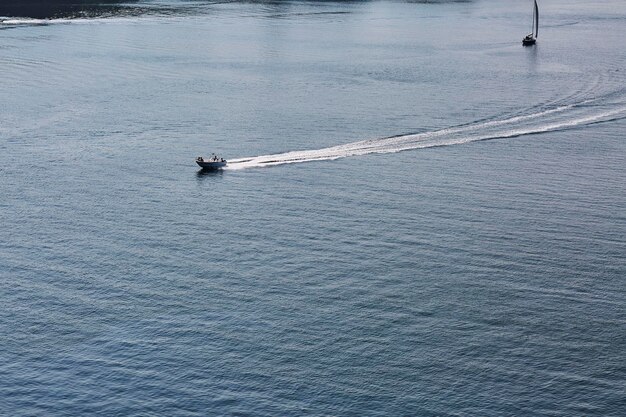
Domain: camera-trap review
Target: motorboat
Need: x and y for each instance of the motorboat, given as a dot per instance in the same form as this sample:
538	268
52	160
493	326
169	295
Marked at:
212	162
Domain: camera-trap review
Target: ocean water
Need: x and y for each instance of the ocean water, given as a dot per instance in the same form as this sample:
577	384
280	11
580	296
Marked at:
420	216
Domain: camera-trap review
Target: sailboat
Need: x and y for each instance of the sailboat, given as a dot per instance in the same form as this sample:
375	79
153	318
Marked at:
531	38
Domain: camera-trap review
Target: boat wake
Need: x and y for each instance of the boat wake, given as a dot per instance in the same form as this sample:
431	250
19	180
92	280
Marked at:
556	118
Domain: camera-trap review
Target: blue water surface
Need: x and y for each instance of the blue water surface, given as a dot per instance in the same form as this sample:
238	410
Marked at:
474	269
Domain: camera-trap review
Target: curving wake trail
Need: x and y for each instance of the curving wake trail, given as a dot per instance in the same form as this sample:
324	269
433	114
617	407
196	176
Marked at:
562	117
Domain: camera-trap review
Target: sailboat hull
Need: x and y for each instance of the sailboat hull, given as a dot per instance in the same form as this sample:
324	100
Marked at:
528	42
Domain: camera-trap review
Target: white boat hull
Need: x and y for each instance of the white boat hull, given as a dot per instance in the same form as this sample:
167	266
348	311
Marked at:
211	164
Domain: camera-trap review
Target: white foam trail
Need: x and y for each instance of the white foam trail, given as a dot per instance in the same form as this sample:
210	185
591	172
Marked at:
567	116
105	19
547	127
23	21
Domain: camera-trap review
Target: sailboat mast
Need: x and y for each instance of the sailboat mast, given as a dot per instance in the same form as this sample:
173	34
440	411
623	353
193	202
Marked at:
536	20
532	27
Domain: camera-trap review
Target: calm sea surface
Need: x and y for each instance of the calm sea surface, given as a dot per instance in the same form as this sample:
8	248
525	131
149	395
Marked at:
420	217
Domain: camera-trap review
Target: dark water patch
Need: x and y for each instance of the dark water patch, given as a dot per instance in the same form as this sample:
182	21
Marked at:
38	9
43	13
